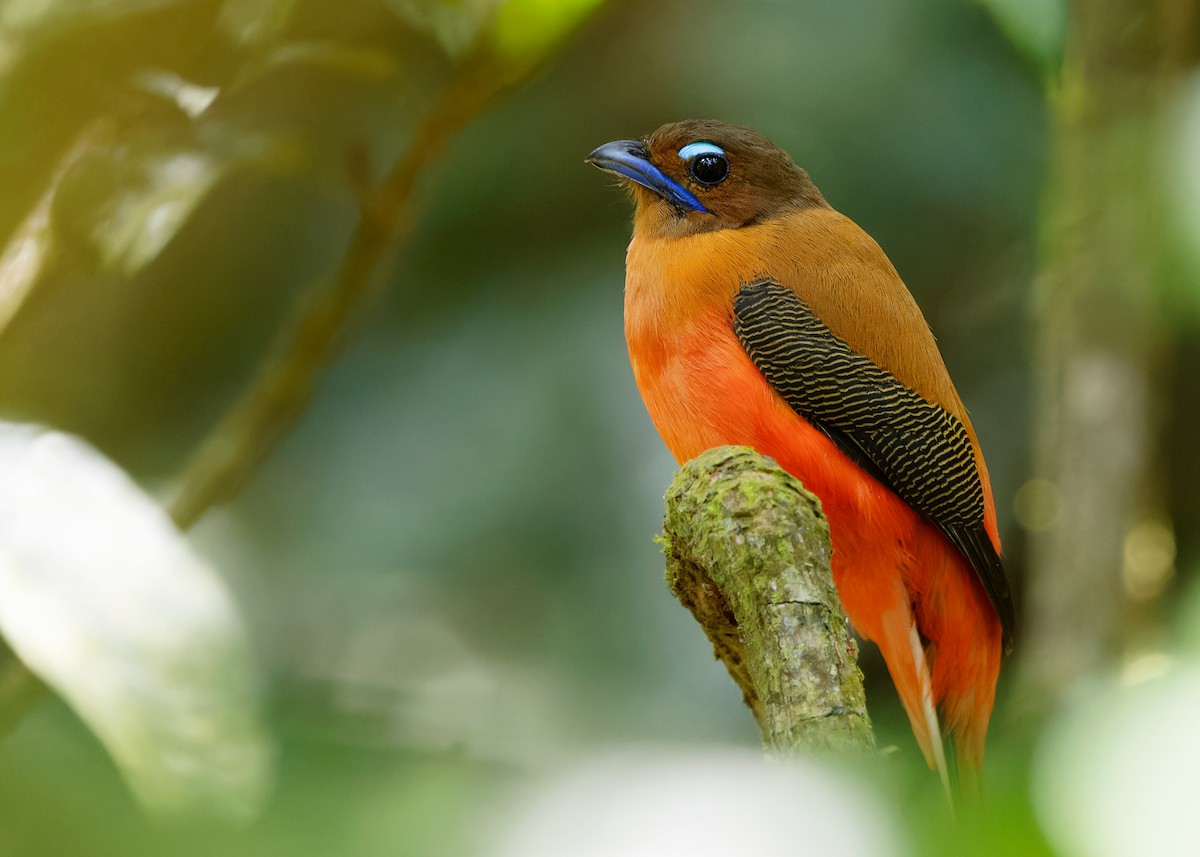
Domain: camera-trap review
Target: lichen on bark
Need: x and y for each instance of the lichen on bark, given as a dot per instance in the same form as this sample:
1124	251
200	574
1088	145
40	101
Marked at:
747	550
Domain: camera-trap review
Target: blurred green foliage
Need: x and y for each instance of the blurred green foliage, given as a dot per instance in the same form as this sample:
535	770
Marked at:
448	567
1037	28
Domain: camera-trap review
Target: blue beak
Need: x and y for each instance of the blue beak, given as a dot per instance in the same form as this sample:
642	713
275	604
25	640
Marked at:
630	159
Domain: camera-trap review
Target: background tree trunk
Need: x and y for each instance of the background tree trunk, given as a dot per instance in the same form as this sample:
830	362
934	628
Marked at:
1098	501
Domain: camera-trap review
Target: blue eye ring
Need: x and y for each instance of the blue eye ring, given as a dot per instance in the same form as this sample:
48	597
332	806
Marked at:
706	162
700	147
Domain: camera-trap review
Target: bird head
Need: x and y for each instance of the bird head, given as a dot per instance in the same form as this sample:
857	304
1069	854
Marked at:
701	175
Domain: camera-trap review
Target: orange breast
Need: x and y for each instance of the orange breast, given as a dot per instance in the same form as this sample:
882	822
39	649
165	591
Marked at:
679	327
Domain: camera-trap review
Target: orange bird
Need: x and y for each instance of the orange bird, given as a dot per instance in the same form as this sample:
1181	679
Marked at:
755	314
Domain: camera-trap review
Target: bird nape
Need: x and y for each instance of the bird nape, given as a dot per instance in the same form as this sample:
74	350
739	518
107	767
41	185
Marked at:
757	315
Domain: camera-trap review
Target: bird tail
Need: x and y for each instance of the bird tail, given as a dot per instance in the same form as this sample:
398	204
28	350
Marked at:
904	653
883	595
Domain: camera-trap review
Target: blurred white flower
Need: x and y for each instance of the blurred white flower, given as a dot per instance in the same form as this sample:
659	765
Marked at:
659	803
1118	773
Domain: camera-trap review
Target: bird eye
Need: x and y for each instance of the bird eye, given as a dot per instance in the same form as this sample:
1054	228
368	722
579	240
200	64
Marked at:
708	164
710	169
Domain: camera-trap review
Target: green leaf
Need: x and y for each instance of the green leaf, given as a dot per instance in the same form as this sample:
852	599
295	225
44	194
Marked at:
140	221
128	196
26	22
190	98
253	22
23	259
527	29
1036	28
106	602
516	30
456	25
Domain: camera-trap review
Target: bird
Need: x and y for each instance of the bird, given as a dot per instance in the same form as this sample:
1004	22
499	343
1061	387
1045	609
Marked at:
757	315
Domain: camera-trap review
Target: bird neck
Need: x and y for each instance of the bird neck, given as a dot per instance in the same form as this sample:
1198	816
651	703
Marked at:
671	283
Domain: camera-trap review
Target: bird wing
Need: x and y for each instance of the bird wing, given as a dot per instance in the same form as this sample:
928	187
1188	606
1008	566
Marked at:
915	447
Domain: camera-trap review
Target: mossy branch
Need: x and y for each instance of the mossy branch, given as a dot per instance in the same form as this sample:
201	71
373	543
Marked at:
748	553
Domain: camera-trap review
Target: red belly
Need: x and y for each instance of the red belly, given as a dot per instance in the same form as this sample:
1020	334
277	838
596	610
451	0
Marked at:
702	391
707	393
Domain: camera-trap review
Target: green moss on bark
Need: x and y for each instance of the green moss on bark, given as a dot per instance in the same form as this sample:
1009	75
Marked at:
748	553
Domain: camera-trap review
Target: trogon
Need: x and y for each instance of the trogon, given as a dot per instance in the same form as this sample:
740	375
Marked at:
756	314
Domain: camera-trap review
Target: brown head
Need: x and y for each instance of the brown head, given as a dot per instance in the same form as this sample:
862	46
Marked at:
700	175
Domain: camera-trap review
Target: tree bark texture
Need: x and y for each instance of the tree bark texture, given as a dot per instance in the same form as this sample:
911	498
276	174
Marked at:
748	553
